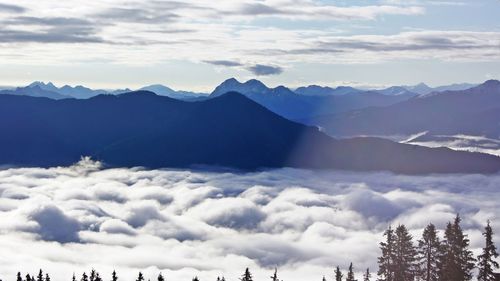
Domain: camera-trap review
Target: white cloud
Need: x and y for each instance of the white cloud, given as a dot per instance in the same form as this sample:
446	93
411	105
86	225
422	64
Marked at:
149	32
187	223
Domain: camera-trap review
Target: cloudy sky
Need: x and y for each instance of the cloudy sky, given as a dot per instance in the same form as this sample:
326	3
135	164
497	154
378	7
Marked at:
186	223
195	44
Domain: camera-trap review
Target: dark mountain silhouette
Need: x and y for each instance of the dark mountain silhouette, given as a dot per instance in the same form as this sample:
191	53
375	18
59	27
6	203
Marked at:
474	111
143	129
291	105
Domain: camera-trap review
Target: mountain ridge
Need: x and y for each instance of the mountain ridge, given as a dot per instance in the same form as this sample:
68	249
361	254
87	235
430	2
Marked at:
143	129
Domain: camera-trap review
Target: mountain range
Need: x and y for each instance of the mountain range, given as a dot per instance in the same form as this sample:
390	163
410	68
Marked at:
474	111
297	106
144	129
49	90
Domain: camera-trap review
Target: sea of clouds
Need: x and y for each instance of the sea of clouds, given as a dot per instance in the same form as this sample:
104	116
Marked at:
213	223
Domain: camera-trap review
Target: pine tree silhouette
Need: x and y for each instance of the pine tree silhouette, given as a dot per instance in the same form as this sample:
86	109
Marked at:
338	274
19	278
84	277
386	260
406	255
247	276
429	254
160	277
140	277
458	261
196	278
114	277
350	274
486	261
367	276
47	277
274	277
40	276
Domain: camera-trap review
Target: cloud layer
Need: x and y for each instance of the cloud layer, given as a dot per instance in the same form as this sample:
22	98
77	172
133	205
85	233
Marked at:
226	33
188	223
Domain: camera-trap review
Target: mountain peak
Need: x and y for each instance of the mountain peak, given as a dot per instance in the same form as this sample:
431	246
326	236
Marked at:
491	83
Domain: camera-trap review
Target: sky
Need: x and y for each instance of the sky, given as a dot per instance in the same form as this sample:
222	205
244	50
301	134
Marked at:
184	223
196	44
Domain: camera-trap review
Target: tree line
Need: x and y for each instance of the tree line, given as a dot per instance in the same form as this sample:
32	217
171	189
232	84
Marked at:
429	259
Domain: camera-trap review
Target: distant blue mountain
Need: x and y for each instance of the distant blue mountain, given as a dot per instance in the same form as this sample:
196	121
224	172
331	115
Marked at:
144	129
292	105
315	90
423	89
34	91
168	92
474	111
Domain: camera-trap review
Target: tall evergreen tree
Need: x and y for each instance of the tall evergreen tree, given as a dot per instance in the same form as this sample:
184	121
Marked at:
161	278
338	274
429	254
28	277
140	277
40	276
350	274
274	277
324	278
97	277
406	255
386	260
247	276
367	276
92	275
114	276
19	277
196	278
84	277
47	277
458	260
486	261
74	277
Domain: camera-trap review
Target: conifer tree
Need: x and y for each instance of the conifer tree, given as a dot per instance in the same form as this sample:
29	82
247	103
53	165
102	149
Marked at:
74	277
386	260
458	261
324	278
47	277
40	276
223	278
429	254
338	274
274	277
97	277
92	275
405	255
486	261
350	274
19	278
114	277
161	278
247	276
196	278
367	275
28	277
140	277
84	277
